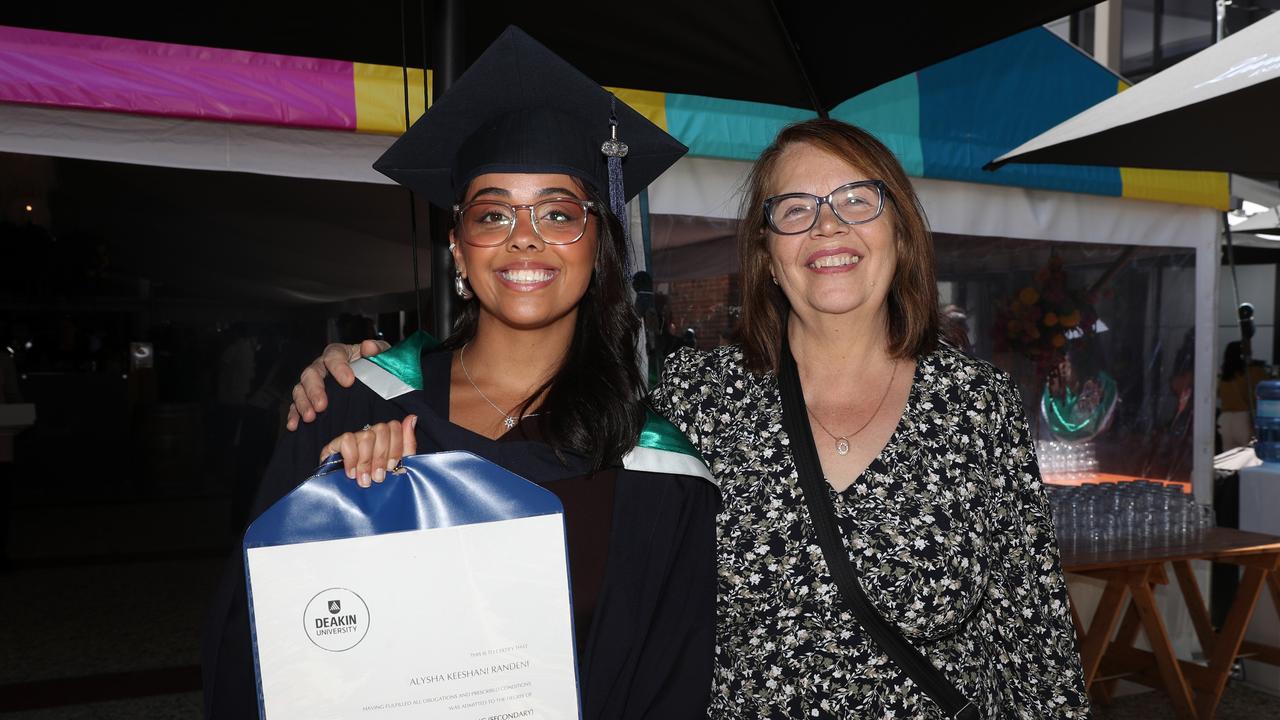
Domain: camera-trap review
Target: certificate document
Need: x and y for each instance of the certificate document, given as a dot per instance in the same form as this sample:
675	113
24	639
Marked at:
469	622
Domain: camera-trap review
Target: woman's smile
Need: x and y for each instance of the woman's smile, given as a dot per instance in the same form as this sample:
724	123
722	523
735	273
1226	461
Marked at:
833	260
527	276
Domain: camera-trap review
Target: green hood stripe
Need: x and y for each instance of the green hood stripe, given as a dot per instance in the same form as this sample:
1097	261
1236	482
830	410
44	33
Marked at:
660	434
405	359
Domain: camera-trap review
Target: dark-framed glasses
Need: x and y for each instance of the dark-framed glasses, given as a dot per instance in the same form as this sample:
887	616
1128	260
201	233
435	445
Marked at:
854	203
558	221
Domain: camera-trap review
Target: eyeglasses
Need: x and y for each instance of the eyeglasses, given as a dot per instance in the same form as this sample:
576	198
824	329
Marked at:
488	223
853	204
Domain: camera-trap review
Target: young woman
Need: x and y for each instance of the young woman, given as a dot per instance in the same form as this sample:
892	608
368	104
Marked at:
538	377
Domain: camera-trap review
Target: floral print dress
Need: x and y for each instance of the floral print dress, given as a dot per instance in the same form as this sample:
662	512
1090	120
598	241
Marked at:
948	529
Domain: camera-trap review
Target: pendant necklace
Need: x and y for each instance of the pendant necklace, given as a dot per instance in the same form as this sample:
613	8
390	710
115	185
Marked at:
842	441
508	420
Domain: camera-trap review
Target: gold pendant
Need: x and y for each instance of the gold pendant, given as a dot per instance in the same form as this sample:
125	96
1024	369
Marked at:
842	446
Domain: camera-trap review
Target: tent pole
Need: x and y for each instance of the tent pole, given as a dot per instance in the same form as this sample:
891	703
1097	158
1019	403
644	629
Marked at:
818	107
1246	333
447	61
413	205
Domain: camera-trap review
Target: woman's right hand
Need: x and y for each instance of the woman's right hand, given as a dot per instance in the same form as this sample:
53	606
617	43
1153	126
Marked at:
309	397
368	454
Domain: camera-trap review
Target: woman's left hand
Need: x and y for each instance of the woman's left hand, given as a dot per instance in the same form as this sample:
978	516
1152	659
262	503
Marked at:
368	454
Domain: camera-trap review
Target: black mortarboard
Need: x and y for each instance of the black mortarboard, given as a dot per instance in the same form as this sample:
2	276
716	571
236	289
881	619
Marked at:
521	108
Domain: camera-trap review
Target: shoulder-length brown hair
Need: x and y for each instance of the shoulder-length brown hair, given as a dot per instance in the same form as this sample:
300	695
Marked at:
913	293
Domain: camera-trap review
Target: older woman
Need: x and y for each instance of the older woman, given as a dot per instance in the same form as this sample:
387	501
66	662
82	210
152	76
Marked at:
925	452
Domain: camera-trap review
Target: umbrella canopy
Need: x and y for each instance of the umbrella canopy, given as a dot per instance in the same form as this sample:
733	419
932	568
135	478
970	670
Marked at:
791	54
1213	111
1267	223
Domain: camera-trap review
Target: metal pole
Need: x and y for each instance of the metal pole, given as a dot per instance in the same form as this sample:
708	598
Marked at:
818	107
1107	36
1246	336
1246	343
413	205
447	63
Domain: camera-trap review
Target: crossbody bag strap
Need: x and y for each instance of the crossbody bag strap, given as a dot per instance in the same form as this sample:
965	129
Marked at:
822	514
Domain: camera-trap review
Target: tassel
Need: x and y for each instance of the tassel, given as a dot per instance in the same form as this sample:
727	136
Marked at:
614	149
617	197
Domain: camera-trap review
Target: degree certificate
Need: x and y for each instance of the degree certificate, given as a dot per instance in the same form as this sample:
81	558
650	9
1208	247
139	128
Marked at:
469	622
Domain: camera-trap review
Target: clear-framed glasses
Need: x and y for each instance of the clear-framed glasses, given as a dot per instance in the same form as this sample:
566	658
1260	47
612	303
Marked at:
487	223
853	204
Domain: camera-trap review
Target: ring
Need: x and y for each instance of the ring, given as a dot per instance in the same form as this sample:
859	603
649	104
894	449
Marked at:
368	427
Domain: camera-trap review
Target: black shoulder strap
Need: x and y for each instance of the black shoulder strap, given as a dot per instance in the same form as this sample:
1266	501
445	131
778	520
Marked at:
821	513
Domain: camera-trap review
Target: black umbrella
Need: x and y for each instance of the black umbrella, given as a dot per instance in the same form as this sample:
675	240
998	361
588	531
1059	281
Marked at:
796	54
787	53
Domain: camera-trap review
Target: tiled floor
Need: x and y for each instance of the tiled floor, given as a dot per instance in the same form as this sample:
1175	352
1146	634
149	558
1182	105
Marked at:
1239	702
97	619
185	706
104	603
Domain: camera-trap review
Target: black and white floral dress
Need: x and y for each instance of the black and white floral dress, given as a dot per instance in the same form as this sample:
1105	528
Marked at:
948	528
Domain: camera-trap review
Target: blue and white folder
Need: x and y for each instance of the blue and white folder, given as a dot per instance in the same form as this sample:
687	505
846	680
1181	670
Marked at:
442	592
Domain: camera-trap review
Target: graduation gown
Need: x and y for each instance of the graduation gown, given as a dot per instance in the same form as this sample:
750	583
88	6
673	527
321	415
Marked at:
643	608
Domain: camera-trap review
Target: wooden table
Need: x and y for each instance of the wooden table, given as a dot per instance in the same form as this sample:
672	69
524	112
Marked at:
1109	655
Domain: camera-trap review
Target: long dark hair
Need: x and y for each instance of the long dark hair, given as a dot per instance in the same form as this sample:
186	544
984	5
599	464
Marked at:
1232	360
592	403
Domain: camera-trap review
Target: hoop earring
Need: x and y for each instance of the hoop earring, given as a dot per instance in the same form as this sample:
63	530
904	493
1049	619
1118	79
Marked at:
460	286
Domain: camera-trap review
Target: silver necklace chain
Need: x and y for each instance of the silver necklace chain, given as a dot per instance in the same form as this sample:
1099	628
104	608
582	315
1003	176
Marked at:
508	420
842	441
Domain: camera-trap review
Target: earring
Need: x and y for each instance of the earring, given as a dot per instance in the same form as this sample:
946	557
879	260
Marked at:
774	278
460	286
453	246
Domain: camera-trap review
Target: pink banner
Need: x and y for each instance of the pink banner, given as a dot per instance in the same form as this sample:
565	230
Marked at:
102	73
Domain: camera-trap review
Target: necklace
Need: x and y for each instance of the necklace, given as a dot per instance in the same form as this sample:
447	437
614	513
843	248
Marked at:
842	441
508	420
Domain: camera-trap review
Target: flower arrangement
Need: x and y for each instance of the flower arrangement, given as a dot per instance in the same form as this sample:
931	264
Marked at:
1042	316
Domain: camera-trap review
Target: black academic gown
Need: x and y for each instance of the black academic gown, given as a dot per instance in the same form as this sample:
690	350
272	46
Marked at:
648	650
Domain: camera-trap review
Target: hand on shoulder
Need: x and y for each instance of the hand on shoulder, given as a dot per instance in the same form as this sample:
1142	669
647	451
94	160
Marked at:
309	397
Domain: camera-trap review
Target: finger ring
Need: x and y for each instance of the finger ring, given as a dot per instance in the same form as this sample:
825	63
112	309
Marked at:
368	427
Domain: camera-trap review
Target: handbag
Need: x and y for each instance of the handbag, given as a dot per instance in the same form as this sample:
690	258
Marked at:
821	513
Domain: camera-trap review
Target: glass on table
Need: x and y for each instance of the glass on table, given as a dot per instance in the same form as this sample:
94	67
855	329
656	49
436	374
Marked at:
1206	520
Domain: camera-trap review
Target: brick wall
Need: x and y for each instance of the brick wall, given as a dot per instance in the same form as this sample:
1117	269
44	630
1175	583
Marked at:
708	305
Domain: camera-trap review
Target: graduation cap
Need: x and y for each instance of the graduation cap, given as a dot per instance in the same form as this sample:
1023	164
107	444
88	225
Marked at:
521	108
